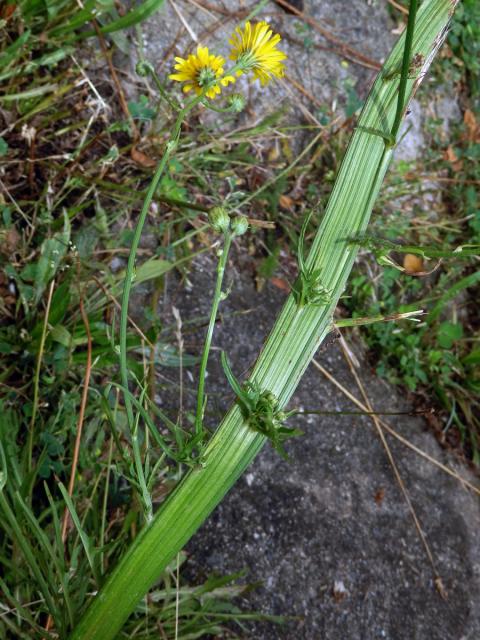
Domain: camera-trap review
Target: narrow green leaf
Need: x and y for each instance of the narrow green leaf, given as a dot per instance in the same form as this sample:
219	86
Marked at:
29	93
133	17
28	553
454	290
11	52
90	551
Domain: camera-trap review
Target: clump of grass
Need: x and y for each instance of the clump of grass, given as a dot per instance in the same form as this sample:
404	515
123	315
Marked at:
258	413
68	185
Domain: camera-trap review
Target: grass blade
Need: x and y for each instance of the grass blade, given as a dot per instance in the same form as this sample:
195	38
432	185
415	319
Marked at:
90	551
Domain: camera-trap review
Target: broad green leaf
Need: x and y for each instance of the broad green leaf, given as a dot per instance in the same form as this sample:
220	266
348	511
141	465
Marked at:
472	358
449	333
3	147
61	334
151	269
52	253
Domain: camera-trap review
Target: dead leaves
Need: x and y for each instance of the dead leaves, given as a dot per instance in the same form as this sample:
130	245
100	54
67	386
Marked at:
451	157
142	159
472	126
471	135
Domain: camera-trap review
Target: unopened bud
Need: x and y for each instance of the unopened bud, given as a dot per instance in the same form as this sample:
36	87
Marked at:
219	219
239	225
271	398
143	68
237	102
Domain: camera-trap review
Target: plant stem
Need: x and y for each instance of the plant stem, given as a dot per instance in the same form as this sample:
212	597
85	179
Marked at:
161	90
217	296
285	356
129	277
36	379
407	54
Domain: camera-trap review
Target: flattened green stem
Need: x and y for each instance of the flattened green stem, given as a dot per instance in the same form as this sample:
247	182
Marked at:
356	322
289	349
217	296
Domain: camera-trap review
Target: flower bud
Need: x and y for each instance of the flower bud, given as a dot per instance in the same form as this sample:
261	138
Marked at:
237	102
239	225
143	68
219	219
271	398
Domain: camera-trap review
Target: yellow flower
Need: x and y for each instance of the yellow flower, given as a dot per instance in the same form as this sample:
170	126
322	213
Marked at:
255	49
202	72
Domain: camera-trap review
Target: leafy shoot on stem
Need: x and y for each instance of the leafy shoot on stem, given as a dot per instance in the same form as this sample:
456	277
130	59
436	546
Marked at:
308	288
261	410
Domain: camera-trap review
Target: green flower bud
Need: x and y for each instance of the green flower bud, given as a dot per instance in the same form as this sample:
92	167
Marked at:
219	219
271	398
237	102
143	68
239	225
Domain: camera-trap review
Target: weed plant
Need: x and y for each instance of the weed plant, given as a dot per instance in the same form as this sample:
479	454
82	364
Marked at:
87	457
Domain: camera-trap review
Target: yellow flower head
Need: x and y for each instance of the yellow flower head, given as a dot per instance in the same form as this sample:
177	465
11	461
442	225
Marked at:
255	48
202	71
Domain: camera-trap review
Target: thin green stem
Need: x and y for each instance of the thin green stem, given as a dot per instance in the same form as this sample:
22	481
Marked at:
162	92
229	109
217	297
407	54
314	412
129	273
104	507
137	457
357	322
36	379
150	69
